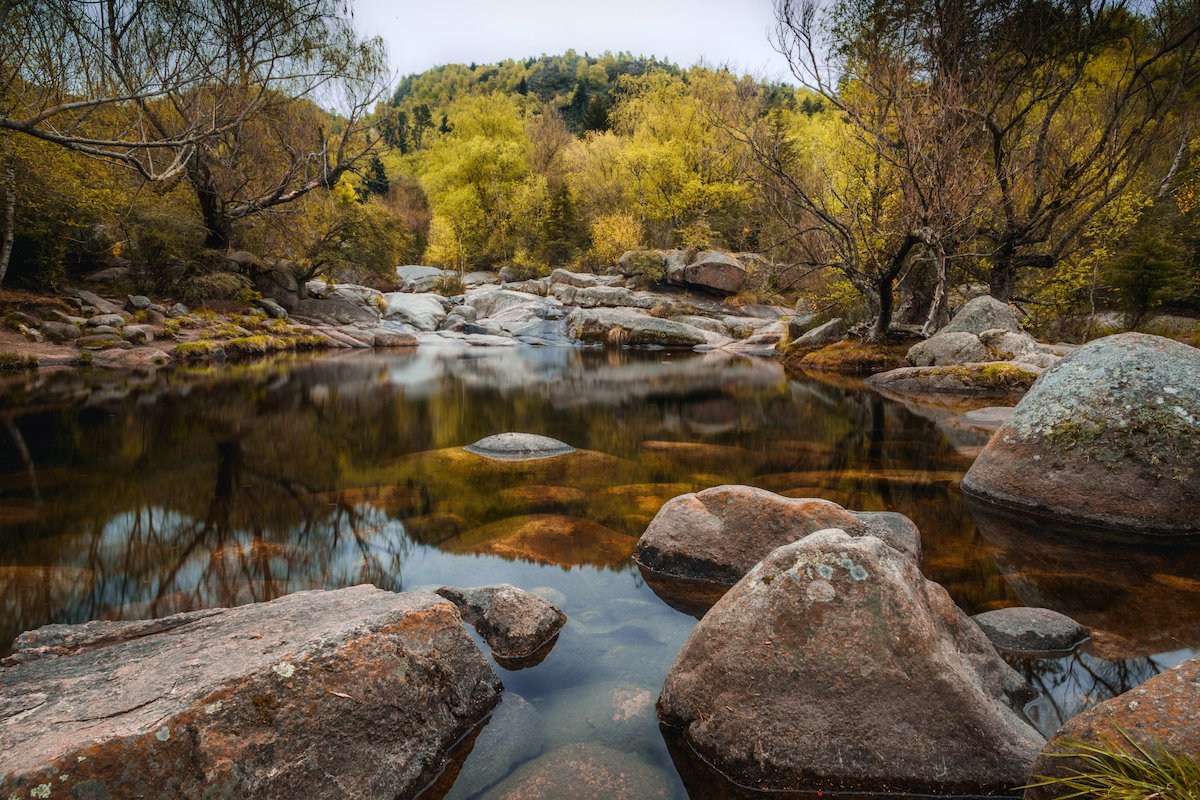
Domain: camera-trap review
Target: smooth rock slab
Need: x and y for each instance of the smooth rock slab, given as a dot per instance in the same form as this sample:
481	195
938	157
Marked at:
518	447
1031	631
834	664
718	534
350	693
515	624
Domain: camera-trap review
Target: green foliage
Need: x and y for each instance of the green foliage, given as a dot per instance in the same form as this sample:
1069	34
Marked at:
1127	770
16	362
612	236
1152	272
214	285
647	268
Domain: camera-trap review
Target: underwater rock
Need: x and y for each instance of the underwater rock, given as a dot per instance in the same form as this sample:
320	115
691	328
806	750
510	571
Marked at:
321	694
1108	436
718	534
1164	712
1031	631
594	772
547	539
518	447
835	665
516	624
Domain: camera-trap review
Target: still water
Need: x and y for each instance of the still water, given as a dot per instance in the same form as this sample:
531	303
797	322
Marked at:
125	497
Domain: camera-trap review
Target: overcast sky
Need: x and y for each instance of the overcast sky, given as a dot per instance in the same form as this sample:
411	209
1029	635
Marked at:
425	33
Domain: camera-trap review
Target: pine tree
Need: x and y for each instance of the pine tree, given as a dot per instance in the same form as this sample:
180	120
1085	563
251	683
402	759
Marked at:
523	87
595	117
377	179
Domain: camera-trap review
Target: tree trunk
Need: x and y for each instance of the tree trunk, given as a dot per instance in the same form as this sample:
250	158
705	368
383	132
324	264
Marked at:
939	312
884	319
1003	279
218	227
9	217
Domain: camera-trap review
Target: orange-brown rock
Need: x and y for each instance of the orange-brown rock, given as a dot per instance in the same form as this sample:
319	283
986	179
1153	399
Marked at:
547	539
350	693
1164	712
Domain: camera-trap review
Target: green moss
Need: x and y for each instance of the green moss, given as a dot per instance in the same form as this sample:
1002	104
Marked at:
15	362
849	357
1153	436
196	350
998	377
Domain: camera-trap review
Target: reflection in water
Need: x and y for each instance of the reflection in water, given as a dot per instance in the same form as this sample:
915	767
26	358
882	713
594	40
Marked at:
129	497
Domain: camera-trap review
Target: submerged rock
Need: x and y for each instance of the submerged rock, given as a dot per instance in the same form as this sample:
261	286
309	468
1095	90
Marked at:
1031	631
515	624
1108	436
592	771
356	692
547	539
518	447
1164	712
834	664
718	534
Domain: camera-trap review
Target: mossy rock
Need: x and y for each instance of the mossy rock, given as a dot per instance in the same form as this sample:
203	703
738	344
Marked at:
852	357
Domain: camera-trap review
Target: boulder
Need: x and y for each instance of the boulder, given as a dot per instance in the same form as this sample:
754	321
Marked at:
991	379
415	278
983	314
1109	436
59	331
623	326
279	284
111	320
827	333
515	624
273	309
243	259
592	771
717	272
834	665
958	347
604	297
718	534
96	301
177	310
508	307
518	447
1031	631
138	334
101	341
1164	712
136	302
142	358
1006	345
322	694
423	311
578	279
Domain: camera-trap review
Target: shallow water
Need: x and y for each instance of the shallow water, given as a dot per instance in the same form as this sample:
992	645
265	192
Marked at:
124	498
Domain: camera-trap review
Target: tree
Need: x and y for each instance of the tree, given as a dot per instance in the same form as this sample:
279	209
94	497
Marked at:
171	87
376	182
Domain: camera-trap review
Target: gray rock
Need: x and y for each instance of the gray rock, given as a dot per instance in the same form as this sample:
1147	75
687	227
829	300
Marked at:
800	324
423	311
606	297
59	331
1005	345
718	534
416	278
827	333
111	320
177	310
518	447
516	624
983	314
103	330
624	326
1110	435
715	271
142	358
101	341
137	302
279	284
96	301
273	309
371	687
1001	379
1031	631
577	279
244	258
138	334
956	347
594	772
834	665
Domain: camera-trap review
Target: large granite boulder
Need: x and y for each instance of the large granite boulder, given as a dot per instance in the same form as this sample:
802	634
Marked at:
834	665
1108	436
423	311
718	534
417	278
515	624
956	347
826	333
1164	712
983	314
604	297
714	271
624	326
357	692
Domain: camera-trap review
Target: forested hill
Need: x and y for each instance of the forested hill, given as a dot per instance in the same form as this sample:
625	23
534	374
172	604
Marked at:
581	87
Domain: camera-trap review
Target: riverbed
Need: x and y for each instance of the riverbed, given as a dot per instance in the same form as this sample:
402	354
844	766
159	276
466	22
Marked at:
125	497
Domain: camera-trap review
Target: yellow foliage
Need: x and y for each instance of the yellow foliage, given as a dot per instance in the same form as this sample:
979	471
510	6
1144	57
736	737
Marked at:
613	235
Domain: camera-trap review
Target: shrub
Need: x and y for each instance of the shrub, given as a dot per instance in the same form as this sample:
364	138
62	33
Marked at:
1128	771
613	235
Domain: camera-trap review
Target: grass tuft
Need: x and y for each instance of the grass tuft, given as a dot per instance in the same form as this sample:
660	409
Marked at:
1128	771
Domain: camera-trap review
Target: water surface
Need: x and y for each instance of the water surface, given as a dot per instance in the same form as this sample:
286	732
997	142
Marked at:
125	497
